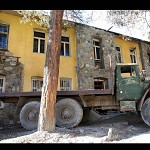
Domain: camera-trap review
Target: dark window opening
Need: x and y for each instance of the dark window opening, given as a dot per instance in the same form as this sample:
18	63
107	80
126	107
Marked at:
3	36
133	55
65	48
39	42
128	71
119	55
97	52
148	58
100	83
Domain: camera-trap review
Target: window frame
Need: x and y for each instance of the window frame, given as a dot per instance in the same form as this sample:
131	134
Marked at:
133	55
39	79
148	58
119	53
63	79
94	47
7	35
39	41
64	45
3	88
100	80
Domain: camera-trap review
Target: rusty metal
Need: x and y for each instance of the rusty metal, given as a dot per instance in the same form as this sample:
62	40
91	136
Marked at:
86	92
99	101
83	101
114	107
127	106
59	93
19	94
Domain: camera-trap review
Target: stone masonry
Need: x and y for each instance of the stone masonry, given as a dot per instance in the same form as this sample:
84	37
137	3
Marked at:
12	70
145	52
86	70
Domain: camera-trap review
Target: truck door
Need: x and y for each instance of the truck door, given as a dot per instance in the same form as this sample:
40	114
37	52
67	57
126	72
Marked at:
128	83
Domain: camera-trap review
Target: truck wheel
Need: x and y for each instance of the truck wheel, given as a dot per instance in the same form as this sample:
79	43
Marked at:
145	112
69	113
86	114
29	115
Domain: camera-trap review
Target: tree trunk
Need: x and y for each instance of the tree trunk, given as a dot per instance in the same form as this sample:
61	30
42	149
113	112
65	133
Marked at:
51	72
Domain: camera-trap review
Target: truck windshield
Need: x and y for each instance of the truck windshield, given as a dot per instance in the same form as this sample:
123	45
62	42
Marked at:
128	71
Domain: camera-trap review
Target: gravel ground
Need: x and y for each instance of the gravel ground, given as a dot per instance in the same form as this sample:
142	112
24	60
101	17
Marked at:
115	128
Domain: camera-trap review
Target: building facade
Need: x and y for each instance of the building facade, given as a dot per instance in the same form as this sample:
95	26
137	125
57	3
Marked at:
28	44
87	55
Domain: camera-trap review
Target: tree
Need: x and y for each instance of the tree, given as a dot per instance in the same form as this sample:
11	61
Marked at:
51	72
131	19
51	69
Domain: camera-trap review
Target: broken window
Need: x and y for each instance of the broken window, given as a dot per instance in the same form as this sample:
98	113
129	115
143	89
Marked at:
133	55
2	84
65	84
96	47
128	71
65	46
37	83
118	55
148	58
100	83
3	36
39	42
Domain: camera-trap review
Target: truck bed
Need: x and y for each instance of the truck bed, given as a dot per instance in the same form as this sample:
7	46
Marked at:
59	93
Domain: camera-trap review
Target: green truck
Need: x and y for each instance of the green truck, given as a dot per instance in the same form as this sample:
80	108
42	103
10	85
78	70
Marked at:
130	91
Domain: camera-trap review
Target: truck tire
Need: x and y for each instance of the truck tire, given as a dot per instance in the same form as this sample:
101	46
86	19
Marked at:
86	114
29	115
145	112
69	113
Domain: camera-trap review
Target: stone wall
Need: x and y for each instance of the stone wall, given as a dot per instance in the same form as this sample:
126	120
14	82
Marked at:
7	114
145	50
86	70
12	70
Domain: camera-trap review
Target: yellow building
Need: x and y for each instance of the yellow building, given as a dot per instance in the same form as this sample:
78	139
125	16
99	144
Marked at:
29	42
127	51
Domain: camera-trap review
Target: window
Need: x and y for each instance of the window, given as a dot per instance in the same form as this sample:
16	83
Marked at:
3	36
128	71
37	83
64	46
96	47
2	84
100	83
133	55
148	58
39	42
119	55
65	84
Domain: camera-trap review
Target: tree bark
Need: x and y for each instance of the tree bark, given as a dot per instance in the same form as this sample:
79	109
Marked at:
51	72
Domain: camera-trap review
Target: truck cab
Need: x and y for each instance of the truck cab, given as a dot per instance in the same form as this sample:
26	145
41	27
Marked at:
129	86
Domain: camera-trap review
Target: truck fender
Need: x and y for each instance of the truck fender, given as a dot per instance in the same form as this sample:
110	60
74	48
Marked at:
142	100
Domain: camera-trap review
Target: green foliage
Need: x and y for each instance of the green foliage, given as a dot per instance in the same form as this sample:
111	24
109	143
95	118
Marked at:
40	17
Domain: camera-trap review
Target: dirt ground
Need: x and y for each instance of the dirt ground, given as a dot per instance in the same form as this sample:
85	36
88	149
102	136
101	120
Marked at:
112	127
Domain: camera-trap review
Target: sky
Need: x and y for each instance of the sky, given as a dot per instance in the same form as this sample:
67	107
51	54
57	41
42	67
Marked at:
99	21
